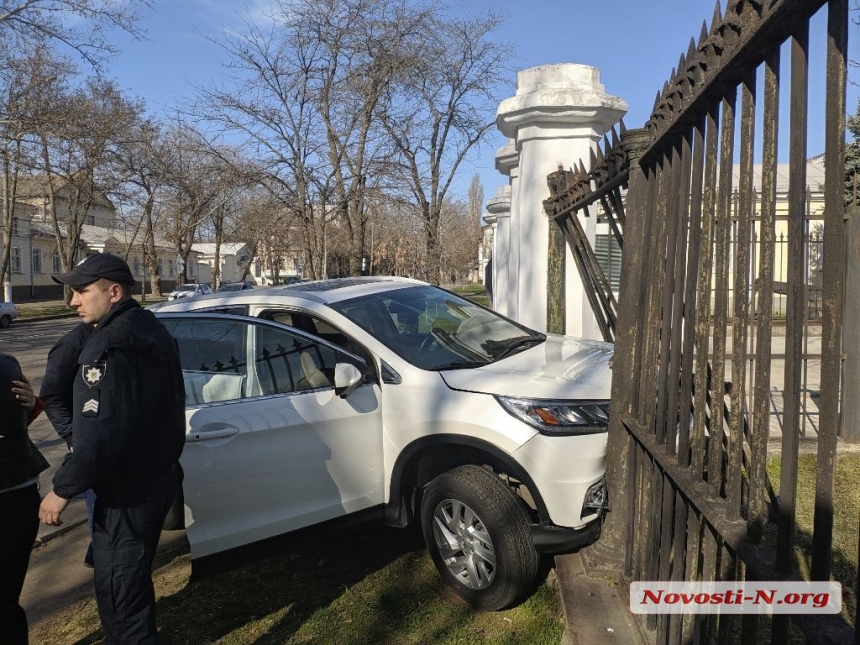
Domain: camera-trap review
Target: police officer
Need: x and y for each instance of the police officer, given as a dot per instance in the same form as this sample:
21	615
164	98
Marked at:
129	429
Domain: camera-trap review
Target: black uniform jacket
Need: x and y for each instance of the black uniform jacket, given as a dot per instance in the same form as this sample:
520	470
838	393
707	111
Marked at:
129	411
20	461
60	372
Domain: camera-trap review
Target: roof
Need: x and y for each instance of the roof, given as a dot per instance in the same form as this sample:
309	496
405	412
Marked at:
814	175
100	235
318	291
227	248
36	186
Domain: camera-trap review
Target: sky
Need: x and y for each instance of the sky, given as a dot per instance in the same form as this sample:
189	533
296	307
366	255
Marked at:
634	44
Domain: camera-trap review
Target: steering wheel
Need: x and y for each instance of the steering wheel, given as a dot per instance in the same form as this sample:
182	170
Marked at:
428	342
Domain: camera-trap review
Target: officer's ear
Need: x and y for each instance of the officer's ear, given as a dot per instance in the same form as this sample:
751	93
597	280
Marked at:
116	292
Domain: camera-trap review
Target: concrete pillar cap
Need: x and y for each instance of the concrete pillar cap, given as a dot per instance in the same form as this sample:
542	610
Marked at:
564	94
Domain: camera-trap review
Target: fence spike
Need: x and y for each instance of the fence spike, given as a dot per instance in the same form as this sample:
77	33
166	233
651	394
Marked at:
718	17
691	52
703	35
599	154
615	139
622	127
592	158
582	170
656	102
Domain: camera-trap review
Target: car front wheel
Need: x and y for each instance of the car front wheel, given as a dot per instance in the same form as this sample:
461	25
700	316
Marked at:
5	321
479	539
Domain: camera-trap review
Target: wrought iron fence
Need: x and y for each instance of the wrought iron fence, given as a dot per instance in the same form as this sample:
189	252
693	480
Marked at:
719	283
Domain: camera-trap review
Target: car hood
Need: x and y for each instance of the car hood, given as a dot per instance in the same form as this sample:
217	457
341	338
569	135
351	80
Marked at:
560	368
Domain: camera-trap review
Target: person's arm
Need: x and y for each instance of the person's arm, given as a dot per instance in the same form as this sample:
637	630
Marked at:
60	372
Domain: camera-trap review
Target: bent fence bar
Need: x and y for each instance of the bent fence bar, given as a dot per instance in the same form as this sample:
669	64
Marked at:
706	256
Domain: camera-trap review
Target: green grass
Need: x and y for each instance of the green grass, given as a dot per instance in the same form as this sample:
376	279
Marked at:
44	311
377	586
846	507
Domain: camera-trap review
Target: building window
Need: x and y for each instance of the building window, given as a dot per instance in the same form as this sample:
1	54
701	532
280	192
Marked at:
609	258
37	261
170	270
257	269
15	260
56	265
191	266
91	220
137	266
16	226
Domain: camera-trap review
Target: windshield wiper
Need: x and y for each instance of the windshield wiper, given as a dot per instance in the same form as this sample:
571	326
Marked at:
458	365
518	344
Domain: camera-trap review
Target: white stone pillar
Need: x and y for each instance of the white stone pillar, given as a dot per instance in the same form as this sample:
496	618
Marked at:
499	206
557	115
507	163
489	220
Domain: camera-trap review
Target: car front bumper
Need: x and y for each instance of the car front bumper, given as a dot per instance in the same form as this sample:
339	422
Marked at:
552	540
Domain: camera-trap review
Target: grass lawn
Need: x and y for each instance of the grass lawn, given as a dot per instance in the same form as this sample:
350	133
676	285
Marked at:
845	521
377	586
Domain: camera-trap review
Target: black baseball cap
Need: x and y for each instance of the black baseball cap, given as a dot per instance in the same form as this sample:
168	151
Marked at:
91	268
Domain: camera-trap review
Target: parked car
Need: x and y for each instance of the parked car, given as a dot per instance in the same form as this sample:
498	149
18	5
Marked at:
234	286
294	279
190	291
391	399
8	313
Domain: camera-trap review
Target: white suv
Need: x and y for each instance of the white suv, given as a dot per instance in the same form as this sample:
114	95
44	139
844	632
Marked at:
391	399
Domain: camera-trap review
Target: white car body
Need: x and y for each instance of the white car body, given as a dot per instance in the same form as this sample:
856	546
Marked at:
8	313
369	441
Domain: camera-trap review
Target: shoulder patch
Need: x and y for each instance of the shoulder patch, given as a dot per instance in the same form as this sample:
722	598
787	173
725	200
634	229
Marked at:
93	373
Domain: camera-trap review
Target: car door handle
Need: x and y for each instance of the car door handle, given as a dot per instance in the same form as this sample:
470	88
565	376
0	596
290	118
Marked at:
214	433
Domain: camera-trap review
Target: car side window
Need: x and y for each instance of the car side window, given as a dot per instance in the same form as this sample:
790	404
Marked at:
319	327
213	358
285	362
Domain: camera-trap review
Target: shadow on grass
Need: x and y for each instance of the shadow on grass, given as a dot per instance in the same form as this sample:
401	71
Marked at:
273	596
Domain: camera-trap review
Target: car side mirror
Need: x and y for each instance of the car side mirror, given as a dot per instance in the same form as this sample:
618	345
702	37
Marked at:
347	377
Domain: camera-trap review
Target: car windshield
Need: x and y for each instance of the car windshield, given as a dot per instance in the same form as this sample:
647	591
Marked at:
437	330
231	287
186	287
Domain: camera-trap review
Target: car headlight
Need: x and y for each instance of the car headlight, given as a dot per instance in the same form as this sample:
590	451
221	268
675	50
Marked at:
559	417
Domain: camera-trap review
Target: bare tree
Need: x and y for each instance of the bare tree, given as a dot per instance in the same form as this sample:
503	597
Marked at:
23	78
80	26
441	108
141	162
78	130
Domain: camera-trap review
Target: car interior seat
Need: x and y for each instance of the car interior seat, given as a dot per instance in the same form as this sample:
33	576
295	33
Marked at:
313	375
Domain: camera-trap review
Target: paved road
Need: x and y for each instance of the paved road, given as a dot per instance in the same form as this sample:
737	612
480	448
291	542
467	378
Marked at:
30	343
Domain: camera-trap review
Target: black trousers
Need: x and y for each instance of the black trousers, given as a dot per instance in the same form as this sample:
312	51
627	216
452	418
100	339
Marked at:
124	543
19	523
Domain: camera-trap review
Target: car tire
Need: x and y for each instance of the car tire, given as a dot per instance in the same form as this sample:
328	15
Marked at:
479	538
5	321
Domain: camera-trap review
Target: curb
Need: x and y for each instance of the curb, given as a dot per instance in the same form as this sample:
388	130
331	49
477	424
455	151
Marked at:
61	530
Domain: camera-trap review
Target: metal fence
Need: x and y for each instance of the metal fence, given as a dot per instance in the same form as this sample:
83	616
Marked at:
718	284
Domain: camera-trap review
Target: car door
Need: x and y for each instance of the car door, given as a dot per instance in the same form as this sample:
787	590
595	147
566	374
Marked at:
270	447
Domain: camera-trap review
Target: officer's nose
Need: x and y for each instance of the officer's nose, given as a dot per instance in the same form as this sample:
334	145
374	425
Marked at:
76	299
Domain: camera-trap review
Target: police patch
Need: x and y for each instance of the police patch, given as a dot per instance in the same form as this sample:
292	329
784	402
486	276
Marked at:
91	405
93	373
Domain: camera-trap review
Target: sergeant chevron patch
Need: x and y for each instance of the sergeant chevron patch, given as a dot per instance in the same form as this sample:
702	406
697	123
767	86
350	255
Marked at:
91	406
